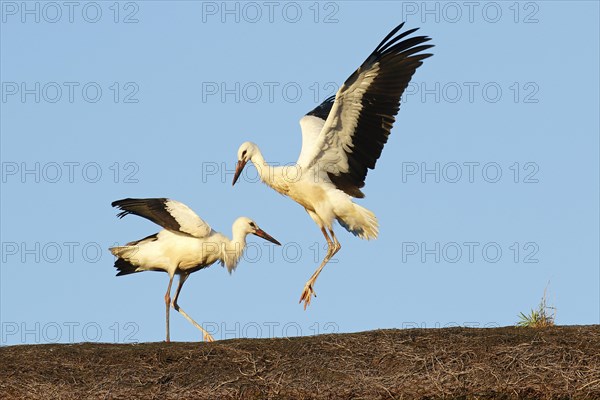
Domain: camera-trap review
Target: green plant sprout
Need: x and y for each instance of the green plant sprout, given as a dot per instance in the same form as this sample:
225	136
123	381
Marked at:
543	317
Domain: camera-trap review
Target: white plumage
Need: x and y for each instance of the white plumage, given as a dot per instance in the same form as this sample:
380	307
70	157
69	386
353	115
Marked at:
186	245
189	222
341	140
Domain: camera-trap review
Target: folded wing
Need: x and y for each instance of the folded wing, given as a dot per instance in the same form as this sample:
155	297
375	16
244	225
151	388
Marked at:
170	214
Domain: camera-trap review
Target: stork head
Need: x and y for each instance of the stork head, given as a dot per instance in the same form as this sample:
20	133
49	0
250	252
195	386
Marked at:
245	225
245	153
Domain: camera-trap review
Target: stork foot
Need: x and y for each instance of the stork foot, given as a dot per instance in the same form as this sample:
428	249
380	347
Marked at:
208	337
307	294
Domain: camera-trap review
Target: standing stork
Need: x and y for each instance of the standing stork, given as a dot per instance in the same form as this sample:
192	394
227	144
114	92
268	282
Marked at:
341	139
186	245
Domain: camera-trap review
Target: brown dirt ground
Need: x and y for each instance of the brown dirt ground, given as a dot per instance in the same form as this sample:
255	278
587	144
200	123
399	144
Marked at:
454	363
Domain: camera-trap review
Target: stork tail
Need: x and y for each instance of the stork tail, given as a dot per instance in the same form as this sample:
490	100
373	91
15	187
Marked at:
360	222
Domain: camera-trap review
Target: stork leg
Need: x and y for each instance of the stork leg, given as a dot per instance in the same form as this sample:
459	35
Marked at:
207	336
168	303
333	246
336	244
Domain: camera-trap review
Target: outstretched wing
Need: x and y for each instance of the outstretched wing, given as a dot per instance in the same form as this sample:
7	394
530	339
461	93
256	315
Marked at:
312	125
170	214
359	120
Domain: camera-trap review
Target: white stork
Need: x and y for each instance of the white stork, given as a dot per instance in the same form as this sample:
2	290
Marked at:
341	139
186	245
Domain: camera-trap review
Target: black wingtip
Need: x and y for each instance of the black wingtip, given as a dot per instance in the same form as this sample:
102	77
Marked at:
122	214
393	44
118	203
389	35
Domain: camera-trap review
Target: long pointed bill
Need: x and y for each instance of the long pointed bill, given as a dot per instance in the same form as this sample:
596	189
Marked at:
238	170
266	236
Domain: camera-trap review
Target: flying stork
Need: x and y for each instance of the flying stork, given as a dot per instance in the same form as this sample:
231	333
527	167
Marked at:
341	139
185	245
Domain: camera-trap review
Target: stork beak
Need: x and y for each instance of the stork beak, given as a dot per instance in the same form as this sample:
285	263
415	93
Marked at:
238	170
260	233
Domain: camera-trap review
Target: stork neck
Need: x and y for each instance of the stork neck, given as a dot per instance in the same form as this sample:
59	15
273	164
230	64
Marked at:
238	240
265	171
233	250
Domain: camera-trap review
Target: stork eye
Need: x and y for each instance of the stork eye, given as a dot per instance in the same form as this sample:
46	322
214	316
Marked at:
252	224
244	153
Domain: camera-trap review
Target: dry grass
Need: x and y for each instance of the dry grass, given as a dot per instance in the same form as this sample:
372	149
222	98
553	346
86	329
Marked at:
462	363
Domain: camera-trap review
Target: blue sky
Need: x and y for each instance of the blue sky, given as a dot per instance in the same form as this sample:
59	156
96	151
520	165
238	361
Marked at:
486	193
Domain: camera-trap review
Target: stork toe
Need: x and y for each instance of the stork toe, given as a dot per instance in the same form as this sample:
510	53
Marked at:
208	337
307	294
